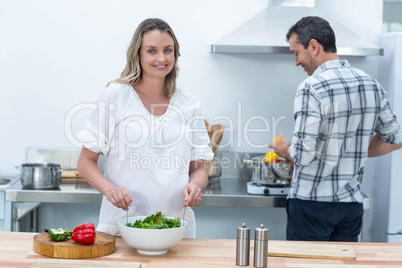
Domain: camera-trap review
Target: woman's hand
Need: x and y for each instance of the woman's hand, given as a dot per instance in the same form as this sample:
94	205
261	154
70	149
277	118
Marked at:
89	170
119	197
192	192
192	195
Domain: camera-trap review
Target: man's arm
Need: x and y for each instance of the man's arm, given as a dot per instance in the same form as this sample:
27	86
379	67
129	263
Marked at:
378	147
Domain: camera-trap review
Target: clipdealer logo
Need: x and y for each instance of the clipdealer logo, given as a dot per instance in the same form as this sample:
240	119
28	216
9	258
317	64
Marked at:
237	130
114	131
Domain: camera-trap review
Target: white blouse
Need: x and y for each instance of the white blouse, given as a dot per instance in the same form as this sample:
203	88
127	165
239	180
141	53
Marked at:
149	155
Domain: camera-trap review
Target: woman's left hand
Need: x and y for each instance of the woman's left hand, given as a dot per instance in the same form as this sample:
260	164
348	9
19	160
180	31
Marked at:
192	192
192	195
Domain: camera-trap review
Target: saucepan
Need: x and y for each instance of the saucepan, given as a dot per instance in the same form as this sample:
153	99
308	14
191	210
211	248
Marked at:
40	175
261	171
258	171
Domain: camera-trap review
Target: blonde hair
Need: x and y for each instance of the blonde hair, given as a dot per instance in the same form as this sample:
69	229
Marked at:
132	73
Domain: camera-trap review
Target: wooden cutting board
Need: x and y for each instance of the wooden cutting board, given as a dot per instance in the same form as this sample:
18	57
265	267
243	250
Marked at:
311	250
71	176
69	249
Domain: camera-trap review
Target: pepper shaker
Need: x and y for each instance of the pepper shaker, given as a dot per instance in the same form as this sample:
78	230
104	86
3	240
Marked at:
261	247
243	246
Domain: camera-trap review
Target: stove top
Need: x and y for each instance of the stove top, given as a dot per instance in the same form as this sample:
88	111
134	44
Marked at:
259	188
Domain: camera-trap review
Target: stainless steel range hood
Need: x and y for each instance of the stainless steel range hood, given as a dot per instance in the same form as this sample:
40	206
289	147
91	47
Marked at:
265	33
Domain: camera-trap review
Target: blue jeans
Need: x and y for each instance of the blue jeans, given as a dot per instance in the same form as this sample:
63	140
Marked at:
323	221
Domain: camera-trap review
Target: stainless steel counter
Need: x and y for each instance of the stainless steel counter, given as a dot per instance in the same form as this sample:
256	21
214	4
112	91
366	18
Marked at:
226	191
7	181
219	192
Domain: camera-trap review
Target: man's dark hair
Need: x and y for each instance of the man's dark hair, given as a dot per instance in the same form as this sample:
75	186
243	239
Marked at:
316	28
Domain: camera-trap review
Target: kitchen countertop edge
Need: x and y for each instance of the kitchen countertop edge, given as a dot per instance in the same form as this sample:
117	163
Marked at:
233	193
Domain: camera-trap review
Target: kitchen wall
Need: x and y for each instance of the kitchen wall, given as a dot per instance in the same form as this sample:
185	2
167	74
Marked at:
58	54
55	55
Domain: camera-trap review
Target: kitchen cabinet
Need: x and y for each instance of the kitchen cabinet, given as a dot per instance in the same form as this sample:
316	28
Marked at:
5	207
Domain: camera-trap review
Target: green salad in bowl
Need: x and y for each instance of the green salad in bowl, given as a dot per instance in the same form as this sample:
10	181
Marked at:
156	221
153	234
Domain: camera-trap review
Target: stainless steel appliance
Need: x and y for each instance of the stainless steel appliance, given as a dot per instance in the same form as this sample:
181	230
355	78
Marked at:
267	178
387	216
267	188
265	33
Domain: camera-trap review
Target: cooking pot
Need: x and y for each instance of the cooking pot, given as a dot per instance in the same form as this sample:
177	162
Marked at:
40	175
260	171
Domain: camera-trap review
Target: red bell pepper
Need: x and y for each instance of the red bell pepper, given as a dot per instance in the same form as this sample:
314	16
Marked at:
84	234
84	227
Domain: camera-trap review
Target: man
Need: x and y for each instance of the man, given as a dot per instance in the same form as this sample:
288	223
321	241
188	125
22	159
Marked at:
342	117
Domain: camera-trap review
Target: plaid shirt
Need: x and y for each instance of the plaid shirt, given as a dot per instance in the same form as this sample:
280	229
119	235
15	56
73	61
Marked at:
337	111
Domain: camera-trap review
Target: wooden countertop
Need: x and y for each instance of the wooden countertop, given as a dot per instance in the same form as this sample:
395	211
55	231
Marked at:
16	250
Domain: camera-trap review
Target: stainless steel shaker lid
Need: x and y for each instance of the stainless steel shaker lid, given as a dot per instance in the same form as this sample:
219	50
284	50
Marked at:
261	233
243	231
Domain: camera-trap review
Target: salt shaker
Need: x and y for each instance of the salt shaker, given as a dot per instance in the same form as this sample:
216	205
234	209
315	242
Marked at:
243	246
261	247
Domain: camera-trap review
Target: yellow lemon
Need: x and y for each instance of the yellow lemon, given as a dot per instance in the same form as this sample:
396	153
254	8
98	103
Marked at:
277	139
271	156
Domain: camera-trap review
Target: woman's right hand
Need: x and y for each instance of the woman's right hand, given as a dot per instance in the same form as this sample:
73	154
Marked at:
119	197
88	168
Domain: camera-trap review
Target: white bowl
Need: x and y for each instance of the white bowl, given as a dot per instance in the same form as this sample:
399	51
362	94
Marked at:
150	241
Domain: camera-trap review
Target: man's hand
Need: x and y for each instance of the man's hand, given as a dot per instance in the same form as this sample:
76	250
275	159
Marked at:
281	147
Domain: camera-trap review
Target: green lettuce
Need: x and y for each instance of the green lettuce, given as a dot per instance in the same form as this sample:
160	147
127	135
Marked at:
156	221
